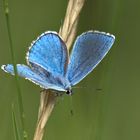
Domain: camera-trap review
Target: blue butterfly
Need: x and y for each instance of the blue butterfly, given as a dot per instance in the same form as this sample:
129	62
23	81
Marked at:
49	65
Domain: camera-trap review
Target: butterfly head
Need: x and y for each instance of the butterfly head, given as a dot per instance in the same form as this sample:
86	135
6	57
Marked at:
69	91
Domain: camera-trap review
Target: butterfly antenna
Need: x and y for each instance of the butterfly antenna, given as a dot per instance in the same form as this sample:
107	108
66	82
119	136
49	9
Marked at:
79	87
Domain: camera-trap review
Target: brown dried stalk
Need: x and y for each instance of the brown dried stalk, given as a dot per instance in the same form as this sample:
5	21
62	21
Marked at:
68	29
47	102
67	32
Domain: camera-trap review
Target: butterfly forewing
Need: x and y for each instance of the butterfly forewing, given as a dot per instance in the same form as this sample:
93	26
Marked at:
89	49
50	52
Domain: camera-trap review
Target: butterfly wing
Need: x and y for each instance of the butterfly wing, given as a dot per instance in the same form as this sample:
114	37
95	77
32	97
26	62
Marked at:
89	49
37	75
50	52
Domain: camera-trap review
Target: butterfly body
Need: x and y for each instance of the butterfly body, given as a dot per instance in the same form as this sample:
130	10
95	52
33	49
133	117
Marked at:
50	67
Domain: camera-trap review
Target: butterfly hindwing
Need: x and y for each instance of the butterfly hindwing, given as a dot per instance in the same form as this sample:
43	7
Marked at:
89	49
49	51
37	75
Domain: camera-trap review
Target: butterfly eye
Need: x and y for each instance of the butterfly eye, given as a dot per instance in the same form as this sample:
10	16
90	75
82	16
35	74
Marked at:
69	91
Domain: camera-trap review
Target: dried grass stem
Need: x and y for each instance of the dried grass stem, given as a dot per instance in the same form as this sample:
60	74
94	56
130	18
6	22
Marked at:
47	102
67	32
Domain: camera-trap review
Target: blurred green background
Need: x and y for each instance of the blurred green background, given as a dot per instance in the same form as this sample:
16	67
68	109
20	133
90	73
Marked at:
112	113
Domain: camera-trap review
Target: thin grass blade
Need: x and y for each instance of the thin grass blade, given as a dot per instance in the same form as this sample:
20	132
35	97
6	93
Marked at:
20	102
16	132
